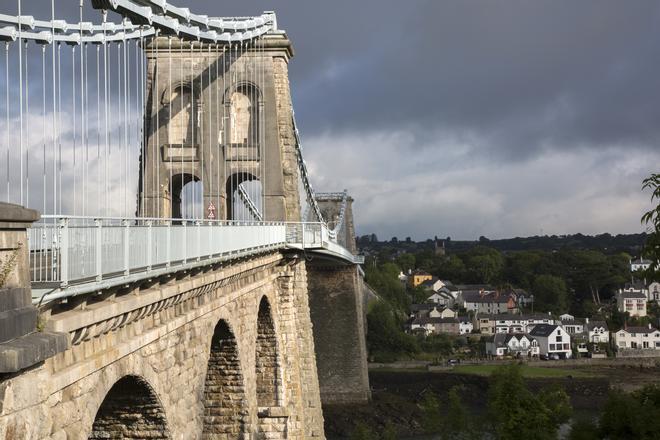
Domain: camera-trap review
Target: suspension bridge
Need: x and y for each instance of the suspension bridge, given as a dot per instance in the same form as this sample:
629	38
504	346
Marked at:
167	269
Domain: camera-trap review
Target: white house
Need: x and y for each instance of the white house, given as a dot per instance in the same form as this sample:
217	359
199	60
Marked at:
552	339
654	291
639	264
465	325
573	326
442	313
441	297
597	331
510	323
635	287
513	344
632	302
434	284
638	337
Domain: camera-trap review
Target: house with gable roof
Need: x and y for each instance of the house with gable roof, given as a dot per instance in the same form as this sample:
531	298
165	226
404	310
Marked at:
552	340
515	344
632	302
647	338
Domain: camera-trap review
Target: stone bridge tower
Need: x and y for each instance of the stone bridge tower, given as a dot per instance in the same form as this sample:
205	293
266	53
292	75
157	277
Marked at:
338	309
222	116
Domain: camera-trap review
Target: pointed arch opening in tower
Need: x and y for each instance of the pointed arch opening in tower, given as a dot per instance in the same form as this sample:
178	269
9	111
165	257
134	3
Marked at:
187	196
224	396
130	411
244	197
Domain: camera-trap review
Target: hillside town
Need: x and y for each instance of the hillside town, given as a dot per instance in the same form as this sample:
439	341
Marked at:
505	321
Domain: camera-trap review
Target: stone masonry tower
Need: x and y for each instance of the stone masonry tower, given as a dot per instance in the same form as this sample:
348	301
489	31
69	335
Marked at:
220	115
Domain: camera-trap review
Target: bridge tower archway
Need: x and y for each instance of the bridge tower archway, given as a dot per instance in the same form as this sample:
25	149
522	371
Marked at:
130	410
187	196
225	408
251	187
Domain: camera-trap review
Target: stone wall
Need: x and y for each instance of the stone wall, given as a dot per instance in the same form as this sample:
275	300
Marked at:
287	138
339	333
168	337
637	353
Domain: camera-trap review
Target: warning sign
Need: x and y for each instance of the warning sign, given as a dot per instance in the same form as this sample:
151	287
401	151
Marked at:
210	211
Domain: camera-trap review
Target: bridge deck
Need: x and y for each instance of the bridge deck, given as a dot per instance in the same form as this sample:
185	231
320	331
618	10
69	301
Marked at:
75	255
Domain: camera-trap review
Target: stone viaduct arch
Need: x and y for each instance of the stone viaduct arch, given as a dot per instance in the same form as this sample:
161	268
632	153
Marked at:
131	411
225	412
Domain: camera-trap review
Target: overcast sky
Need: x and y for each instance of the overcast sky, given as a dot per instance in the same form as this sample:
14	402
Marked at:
467	118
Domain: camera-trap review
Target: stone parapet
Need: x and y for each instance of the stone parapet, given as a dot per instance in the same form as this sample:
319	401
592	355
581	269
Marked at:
21	346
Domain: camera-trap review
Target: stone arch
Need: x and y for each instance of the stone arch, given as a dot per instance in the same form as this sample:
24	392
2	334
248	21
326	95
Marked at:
266	358
225	409
244	179
130	410
184	202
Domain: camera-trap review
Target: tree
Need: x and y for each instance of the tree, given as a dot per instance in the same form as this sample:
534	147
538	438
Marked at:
550	294
652	219
385	339
451	268
516	413
431	413
456	418
406	262
363	432
559	404
389	432
635	415
484	265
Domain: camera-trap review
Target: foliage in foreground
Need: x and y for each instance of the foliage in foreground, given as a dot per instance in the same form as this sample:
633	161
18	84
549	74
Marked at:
652	219
449	419
633	415
517	414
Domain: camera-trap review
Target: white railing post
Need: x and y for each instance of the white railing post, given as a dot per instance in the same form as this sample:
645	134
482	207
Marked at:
64	252
303	235
127	268
99	250
168	261
149	245
185	241
199	239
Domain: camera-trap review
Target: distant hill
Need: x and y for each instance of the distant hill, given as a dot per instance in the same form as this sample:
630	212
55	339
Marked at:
606	243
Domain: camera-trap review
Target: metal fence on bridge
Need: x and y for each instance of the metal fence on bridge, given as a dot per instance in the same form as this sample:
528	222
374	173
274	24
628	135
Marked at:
67	252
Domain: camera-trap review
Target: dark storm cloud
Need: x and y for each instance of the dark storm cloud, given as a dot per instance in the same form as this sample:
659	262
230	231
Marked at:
520	74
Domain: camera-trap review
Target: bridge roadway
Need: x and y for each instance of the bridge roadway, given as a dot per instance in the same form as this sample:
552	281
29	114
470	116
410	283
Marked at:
71	256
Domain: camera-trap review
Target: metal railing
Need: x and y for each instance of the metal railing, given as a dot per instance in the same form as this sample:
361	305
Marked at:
71	251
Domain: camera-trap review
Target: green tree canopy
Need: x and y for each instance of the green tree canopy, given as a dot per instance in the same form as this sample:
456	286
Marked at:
652	219
632	416
516	413
484	265
550	294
